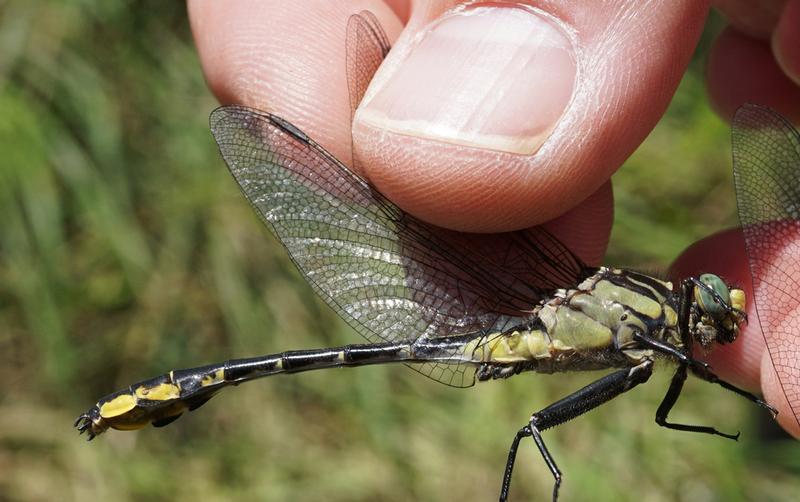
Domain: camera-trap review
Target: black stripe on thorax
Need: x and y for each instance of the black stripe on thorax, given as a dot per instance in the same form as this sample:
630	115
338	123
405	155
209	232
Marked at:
653	282
626	278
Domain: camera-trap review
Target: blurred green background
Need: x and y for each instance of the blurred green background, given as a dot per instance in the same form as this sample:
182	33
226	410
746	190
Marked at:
126	250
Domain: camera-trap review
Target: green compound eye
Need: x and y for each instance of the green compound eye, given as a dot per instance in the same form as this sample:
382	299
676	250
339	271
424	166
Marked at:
706	300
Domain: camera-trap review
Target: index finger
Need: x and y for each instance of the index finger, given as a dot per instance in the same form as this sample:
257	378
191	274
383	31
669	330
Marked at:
288	58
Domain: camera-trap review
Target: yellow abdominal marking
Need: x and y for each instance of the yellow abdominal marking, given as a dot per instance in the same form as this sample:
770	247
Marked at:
213	378
538	344
522	346
506	349
161	392
118	406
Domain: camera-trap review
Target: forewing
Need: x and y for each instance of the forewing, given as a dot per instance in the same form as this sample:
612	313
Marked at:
389	275
766	156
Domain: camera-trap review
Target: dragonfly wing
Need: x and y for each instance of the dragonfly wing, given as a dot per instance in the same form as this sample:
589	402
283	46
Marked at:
367	46
766	160
388	274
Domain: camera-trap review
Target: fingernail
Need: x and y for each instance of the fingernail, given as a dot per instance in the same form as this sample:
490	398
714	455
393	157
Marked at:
495	76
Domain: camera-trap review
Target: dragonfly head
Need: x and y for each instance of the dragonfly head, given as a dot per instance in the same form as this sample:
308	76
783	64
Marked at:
717	312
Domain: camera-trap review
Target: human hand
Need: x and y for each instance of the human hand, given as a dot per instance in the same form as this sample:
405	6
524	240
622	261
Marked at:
756	59
495	164
452	130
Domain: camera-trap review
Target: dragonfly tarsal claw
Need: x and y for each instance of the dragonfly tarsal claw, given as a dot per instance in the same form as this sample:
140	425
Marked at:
734	437
771	409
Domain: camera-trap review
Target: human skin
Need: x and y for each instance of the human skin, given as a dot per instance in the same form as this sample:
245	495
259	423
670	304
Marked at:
756	59
457	157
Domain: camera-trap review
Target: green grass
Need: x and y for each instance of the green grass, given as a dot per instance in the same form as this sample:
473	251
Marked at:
126	249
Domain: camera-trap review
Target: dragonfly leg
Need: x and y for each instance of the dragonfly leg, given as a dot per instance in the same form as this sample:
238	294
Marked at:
671	350
572	406
709	376
671	397
512	457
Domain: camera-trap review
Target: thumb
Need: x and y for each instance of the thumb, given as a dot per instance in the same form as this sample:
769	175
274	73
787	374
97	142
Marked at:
499	116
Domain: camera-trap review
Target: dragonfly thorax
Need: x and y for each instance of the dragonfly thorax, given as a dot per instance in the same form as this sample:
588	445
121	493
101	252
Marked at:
716	311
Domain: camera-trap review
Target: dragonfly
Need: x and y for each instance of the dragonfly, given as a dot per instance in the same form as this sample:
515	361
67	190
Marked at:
462	308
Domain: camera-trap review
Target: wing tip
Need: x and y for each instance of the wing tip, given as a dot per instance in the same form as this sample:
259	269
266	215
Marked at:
754	115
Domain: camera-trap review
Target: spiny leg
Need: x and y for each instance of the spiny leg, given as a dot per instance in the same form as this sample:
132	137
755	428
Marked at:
671	397
709	376
670	350
572	406
512	456
699	368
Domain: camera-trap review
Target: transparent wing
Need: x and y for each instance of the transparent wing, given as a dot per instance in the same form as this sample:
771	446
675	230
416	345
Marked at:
366	48
389	275
766	168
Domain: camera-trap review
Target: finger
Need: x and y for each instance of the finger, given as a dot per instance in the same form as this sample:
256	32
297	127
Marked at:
745	363
724	254
284	57
774	394
498	117
755	19
779	313
401	9
743	70
586	228
786	41
253	53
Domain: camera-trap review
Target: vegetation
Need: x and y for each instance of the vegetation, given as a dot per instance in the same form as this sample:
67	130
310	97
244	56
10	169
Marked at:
126	250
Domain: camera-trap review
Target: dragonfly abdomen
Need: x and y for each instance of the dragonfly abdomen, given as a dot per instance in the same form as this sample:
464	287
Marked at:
163	399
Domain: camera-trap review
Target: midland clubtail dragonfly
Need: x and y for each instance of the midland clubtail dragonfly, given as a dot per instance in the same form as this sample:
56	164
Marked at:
457	307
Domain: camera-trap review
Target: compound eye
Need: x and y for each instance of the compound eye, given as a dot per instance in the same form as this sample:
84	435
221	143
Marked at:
706	300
